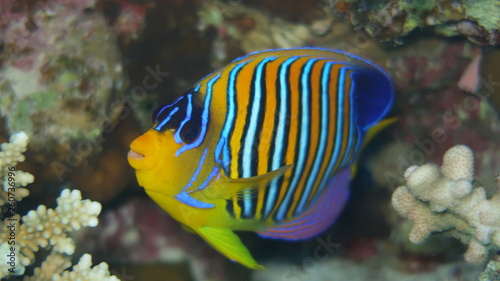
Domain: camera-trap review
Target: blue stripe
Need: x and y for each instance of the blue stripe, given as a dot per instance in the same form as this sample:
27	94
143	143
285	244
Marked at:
204	117
252	128
197	171
168	106
184	197
251	133
347	159
347	57
213	174
359	137
338	134
164	121
325	79
304	135
189	110
231	113
280	134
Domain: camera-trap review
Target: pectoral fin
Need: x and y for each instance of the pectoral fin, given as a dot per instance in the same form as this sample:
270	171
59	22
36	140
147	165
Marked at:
225	187
229	244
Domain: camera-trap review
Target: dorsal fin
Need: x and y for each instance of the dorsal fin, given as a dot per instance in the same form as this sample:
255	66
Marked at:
373	93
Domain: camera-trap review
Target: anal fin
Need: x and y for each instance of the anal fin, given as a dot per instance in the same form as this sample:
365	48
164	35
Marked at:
229	244
319	216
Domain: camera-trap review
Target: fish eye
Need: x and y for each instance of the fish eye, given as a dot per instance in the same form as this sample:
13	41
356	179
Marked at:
190	132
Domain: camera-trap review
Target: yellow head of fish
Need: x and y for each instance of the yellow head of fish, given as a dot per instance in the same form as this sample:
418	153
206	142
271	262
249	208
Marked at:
172	158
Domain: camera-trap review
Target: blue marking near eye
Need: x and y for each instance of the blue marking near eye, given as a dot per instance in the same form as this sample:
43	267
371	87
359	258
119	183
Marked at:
189	110
188	200
164	121
204	118
213	174
184	197
167	106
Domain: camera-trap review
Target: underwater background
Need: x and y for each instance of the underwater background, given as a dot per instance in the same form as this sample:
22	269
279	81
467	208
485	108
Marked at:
79	80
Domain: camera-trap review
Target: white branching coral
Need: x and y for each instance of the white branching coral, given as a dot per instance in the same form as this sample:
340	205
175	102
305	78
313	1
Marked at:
49	227
43	227
445	200
83	271
11	153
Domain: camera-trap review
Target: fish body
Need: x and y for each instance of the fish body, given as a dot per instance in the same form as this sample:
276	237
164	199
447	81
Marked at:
266	144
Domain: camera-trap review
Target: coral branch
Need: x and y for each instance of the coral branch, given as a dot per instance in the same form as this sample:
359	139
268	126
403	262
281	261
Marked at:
11	153
445	200
42	228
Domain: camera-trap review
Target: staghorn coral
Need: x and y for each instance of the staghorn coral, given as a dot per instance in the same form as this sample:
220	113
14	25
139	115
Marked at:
445	200
52	270
11	153
45	227
42	228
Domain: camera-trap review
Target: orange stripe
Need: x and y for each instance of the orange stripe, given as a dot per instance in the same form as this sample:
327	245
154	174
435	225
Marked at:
236	207
314	114
332	127
347	119
243	82
294	78
218	104
268	127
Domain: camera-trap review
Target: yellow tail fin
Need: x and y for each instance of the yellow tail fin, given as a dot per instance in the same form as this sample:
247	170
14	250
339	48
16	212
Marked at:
372	132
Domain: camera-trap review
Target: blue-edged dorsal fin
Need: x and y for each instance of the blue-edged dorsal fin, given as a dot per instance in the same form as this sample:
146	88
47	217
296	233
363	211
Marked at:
225	187
229	244
373	93
319	216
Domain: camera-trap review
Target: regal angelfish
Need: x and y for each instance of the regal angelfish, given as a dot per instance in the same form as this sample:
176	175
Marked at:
265	144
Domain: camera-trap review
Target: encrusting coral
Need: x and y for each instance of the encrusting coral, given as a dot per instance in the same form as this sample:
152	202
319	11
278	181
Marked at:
42	228
445	200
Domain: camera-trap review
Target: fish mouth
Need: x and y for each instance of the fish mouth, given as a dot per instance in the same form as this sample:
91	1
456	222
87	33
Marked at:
135	155
141	155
